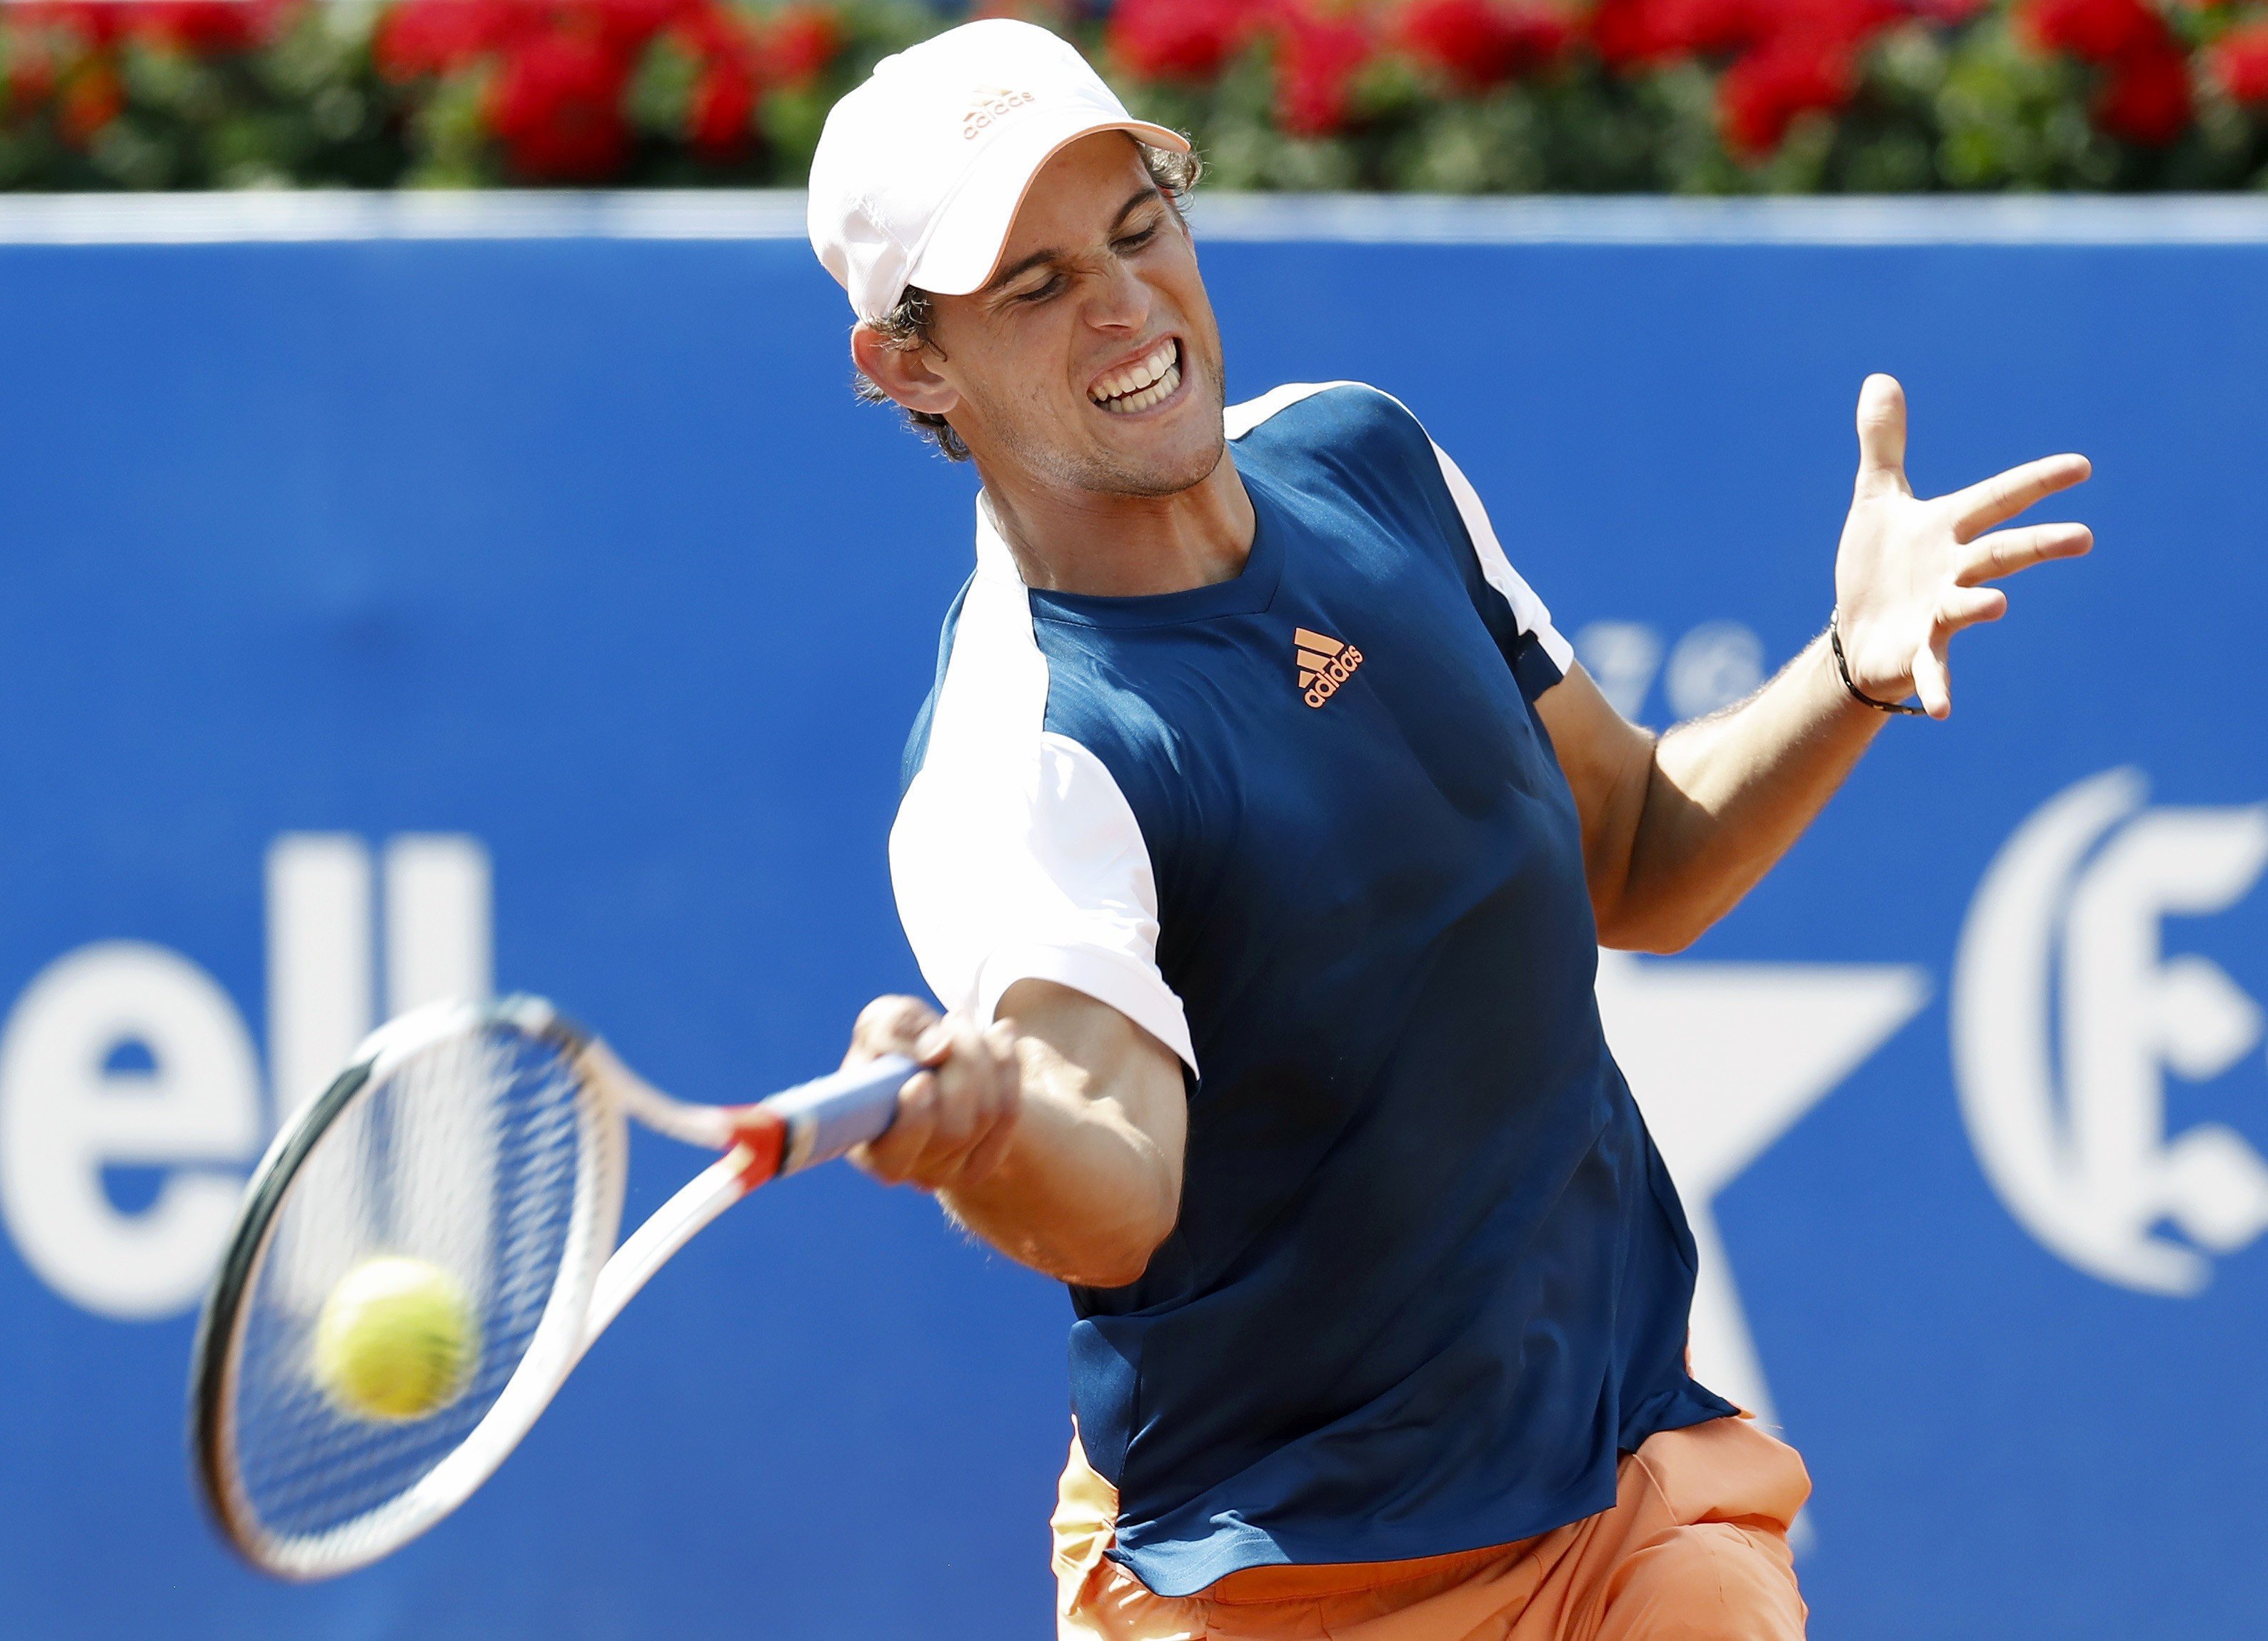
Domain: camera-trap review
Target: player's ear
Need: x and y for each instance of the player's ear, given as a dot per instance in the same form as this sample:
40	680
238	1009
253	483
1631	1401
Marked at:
903	373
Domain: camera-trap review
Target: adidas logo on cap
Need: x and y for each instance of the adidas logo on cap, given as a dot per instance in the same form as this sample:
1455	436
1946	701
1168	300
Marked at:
1324	665
992	101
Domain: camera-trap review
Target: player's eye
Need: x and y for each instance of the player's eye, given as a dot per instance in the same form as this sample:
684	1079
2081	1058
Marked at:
1041	292
1135	240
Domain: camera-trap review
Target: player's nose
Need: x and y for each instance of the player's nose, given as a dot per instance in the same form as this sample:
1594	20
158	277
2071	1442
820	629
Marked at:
1117	299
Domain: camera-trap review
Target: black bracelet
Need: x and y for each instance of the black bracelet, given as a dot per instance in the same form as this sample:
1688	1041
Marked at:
1842	671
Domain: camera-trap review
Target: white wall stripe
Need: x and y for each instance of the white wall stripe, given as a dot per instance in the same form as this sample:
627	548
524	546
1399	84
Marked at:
1544	219
316	215
281	216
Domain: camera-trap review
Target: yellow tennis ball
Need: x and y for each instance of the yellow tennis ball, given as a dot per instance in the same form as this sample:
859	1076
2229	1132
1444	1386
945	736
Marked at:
397	1340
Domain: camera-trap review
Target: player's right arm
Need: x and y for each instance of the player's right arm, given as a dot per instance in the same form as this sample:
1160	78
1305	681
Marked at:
1676	831
1056	1134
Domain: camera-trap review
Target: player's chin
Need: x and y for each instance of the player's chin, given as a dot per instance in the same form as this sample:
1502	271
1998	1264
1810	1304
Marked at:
1173	445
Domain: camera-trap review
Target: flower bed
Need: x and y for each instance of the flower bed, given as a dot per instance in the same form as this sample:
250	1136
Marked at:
1447	95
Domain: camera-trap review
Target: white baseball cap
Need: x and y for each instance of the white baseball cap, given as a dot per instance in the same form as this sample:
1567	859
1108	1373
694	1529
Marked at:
920	170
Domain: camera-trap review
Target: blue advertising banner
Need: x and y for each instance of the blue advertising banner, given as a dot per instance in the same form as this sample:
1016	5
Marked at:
400	605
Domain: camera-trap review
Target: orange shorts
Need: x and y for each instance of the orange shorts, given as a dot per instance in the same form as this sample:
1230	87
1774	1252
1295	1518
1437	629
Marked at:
1694	1549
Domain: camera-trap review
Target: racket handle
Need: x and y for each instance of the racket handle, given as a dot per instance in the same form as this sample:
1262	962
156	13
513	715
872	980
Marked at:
830	1114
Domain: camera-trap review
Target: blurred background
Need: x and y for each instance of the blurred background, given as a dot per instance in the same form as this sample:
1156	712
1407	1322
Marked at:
443	553
1447	96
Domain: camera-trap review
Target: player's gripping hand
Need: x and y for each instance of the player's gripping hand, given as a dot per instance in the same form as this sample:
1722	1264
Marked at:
1910	571
955	1116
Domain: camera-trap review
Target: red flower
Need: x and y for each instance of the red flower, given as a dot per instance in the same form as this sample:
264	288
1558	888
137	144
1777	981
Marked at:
2239	61
91	101
1715	26
724	105
713	31
95	22
421	37
2147	96
206	27
1317	58
1185	39
1481	43
31	71
2147	100
2102	31
1762	94
558	107
624	28
1628	33
799	43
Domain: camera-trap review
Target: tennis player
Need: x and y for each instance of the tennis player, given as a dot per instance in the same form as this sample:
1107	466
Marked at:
1259	835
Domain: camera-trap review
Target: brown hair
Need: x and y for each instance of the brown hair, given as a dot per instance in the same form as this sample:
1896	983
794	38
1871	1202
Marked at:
906	327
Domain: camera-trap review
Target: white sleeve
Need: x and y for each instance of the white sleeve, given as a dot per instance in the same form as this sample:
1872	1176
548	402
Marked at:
1497	569
1015	856
1031	867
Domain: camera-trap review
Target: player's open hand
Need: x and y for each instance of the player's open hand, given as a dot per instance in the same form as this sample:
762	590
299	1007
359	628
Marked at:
1910	572
955	1116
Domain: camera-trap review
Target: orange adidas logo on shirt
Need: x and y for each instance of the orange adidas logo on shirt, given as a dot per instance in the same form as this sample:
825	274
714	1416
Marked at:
1324	665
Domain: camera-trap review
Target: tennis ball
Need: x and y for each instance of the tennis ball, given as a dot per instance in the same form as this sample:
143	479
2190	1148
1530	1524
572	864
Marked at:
397	1340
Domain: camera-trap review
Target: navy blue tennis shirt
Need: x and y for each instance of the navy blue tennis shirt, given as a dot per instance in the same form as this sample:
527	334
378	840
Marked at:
1430	1276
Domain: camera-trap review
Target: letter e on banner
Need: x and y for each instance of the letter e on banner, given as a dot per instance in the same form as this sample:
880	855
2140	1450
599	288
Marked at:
2070	1125
66	1115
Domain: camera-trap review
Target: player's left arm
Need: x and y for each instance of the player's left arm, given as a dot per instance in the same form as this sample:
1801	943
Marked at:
1675	831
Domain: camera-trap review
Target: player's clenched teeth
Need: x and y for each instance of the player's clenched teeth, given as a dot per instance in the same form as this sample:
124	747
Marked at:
1140	386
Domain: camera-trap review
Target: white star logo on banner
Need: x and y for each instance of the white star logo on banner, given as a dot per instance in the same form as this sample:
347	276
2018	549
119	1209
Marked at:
1724	1058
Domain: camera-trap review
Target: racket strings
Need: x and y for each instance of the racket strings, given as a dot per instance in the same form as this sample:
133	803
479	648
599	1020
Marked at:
466	1156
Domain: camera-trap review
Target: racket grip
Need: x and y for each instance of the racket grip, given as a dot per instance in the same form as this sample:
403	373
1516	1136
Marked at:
830	1114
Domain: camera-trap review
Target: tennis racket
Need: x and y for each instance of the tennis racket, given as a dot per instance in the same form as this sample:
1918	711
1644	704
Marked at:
488	1142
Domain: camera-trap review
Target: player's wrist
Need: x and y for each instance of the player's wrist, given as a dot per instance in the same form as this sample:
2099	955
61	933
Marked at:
1886	697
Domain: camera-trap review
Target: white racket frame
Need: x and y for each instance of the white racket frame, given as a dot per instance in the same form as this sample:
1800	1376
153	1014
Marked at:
596	1278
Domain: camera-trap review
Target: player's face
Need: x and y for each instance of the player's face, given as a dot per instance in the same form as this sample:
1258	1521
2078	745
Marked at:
1092	360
